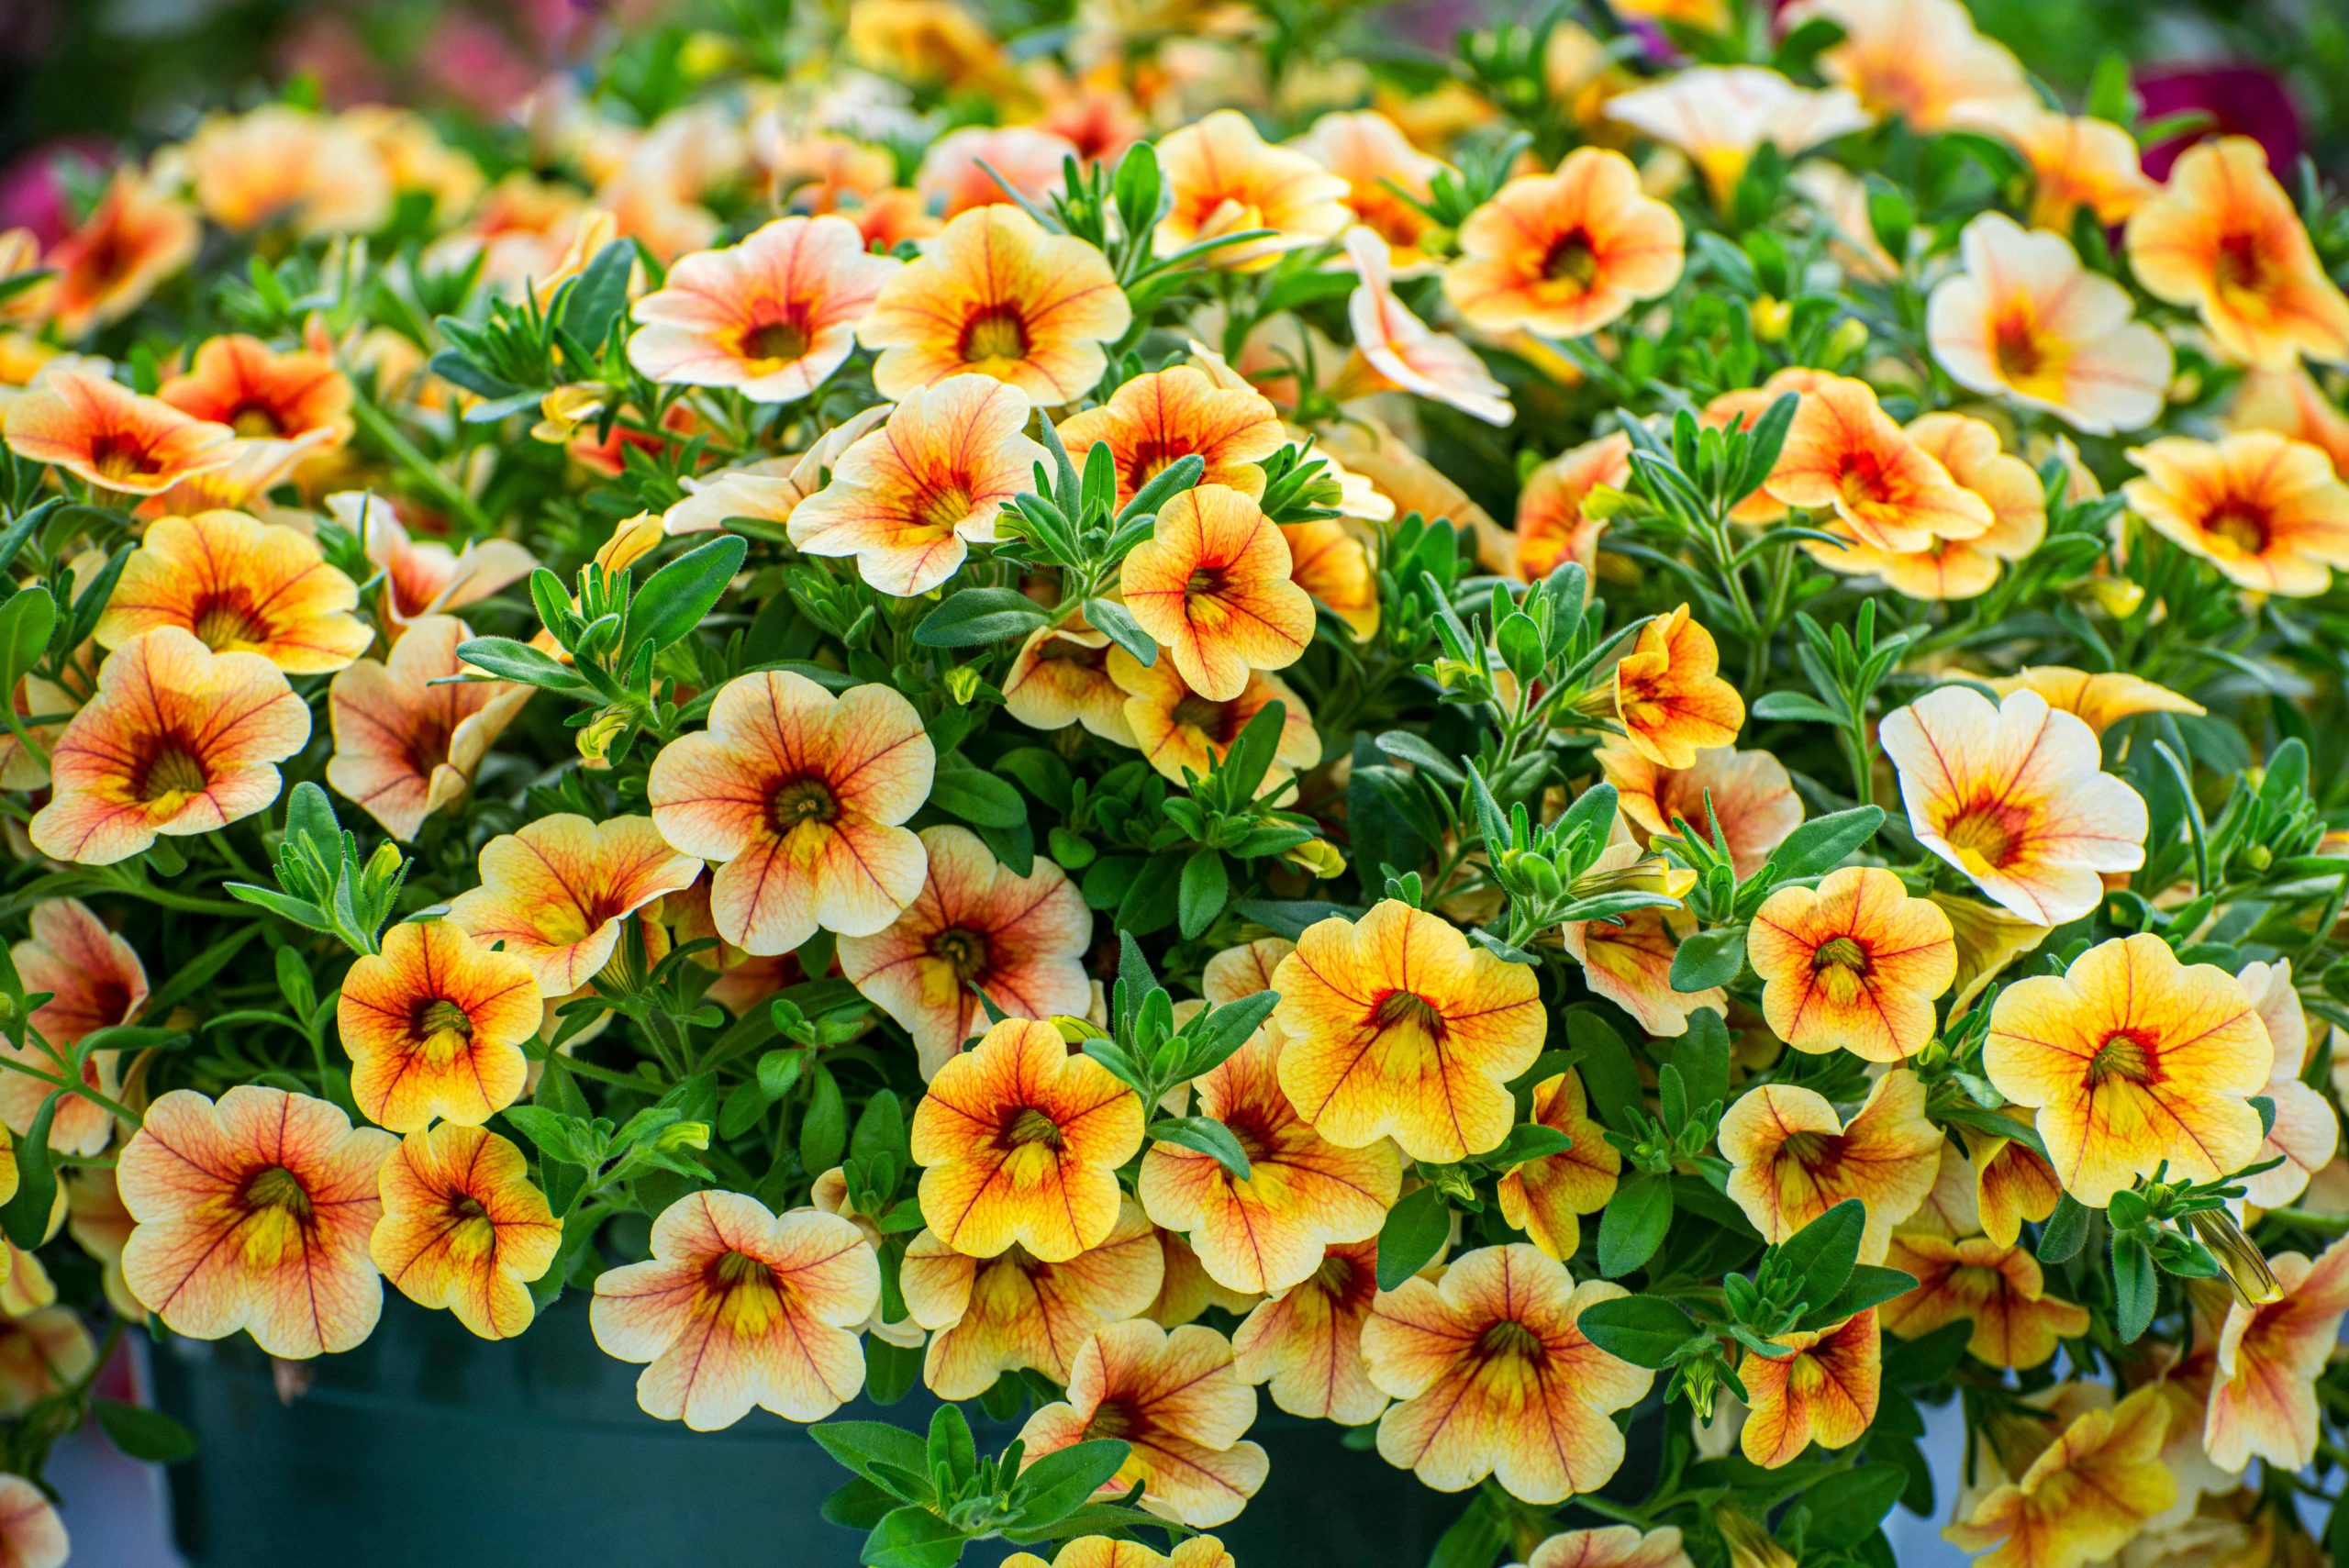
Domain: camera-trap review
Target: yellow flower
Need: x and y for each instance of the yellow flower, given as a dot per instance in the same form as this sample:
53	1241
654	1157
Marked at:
2083	1498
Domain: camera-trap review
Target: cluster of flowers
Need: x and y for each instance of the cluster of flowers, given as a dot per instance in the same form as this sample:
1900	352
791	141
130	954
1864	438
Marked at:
1024	533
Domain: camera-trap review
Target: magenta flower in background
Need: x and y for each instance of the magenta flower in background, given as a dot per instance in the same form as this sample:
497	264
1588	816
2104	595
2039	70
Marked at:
32	189
2243	100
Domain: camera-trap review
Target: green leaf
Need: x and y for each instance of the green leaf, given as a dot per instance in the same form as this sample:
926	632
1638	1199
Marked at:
1821	843
26	619
25	1218
973	617
518	662
1794	705
953	1458
1823	1252
961	788
598	297
1061	1482
1869	1285
2136	1287
1117	623
2066	1232
1164	486
1645	1331
1632	1225
1207	1136
913	1536
143	1433
1607	1070
823	1127
890	1371
1707	958
1846	1506
1204	886
862	1445
1416	1230
680	595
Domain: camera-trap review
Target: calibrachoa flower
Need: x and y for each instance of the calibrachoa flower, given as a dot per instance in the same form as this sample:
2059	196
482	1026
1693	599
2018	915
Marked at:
1792	1158
1546	1197
1494	1377
177	741
1329	560
2304	1131
1175	1398
1628	958
425	577
434	1025
2082	1499
43	1353
1060	676
1400	351
799	795
909	500
94	982
1179	729
1395	1026
1384	174
31	1535
1101	1551
1155	420
740	1307
771	317
2264	1399
408	736
242	383
1304	1346
2291	402
996	295
138	235
2026	320
1616	1546
1720	115
981	165
1022	1142
2012	1182
1212	585
1014	1312
2015	797
107	434
2131	1060
463	1228
1823	1390
1956	569
555	892
1748	793
1267	1230
1551	529
2099	700
240	585
255	1213
1919	58
1998	1288
1563	254
2223	237
1845	456
1854	964
1225	181
975	930
2265	510
1669	695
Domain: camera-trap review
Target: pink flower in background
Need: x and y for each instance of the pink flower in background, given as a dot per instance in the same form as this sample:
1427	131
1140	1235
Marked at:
2243	100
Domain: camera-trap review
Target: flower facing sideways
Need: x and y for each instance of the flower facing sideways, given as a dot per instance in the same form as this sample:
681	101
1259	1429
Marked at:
738	1307
1551	529
1494	1377
800	795
555	892
1400	351
1104	1552
1175	1400
1720	115
1060	676
1395	1024
2100	701
1792	1158
434	1025
1854	964
1922	59
2264	1399
1224	181
2075	161
1304	1346
2304	1132
1823	1390
424	577
1748	793
239	586
1546	1197
2082	1499
1021	1143
31	1535
2015	797
1155	420
1616	1546
178	741
1179	729
2131	1060
242	383
1212	585
1627	960
909	499
1998	1288
977	929
406	738
2265	510
135	238
1384	174
1563	254
1844	456
255	1214
107	434
1669	695
94	982
463	1228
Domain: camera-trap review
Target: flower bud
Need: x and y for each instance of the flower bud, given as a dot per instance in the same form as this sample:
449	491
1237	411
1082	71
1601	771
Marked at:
2246	1267
2114	596
683	1135
1317	856
596	736
563	410
1851	336
963	683
1749	1544
1772	316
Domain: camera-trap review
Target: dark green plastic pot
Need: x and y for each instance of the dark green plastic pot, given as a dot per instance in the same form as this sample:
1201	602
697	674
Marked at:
427	1448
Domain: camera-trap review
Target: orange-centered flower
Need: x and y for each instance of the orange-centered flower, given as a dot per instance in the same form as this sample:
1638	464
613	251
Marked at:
245	384
107	434
1396	349
1382	169
998	296
1395	1024
555	892
1546	1197
2265	510
2027	319
1844	455
2225	239
1179	730
800	795
1155	420
1955	569
135	238
909	500
1563	254
2075	161
1919	58
771	317
2263	1401
404	744
2015	798
179	739
1268	1230
1224	180
1669	695
434	1025
2084	1497
254	1214
1494	1377
1212	584
1176	1400
1749	793
1998	1288
1014	1312
463	1228
1854	964
1550	528
977	929
240	585
1792	1158
1823	1390
1060	676
1021	1143
2131	1059
739	1306
94	982
977	165
1305	1345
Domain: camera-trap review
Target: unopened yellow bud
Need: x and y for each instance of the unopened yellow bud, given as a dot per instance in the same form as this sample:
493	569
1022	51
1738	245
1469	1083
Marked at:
563	410
963	683
2246	1267
2115	596
684	1135
1317	856
596	736
1850	336
1772	316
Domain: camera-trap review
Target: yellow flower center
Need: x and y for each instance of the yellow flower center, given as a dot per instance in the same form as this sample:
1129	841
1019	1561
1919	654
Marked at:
1407	1009
1212	719
116	455
444	1029
2026	357
2240	524
170	778
1112	1419
277	1213
1335	1277
749	1298
1510	1339
775	343
943	506
470	1232
803	800
2123	1055
1840	952
1810	1150
252	420
1031	1127
964	952
225	621
1571	258
995	333
1985	834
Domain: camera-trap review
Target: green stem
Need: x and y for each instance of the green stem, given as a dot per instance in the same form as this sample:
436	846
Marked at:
378	425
